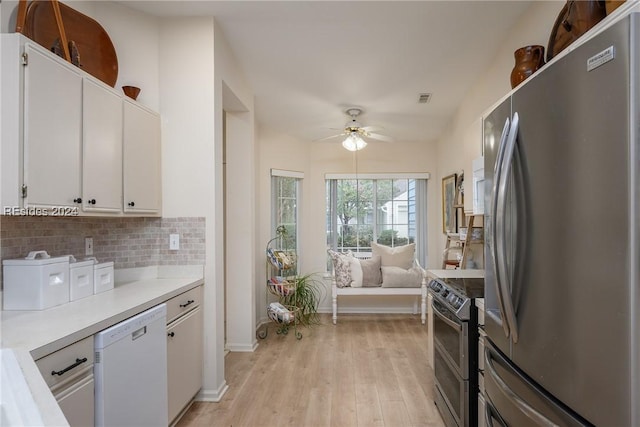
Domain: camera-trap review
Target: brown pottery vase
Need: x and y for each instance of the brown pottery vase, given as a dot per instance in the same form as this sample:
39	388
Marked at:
528	60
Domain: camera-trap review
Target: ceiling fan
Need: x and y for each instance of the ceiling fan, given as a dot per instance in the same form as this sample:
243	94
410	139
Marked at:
354	133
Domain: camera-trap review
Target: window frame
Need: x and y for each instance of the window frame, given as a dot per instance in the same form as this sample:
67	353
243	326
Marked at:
418	213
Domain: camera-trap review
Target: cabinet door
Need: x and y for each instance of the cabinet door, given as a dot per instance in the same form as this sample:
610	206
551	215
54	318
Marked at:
102	149
141	160
52	131
184	360
77	403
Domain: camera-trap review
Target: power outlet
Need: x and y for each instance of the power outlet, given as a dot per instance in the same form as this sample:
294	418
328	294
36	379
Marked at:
174	242
88	245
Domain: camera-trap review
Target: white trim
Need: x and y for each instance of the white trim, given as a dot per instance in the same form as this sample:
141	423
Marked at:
417	175
287	174
245	348
212	395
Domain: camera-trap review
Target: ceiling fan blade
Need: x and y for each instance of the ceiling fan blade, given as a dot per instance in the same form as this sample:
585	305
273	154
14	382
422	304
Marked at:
372	128
380	137
327	137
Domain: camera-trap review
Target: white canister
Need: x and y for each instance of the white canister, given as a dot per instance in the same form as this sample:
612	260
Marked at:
36	282
103	277
81	279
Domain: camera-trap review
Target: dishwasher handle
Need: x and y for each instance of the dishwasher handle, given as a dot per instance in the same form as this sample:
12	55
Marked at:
70	367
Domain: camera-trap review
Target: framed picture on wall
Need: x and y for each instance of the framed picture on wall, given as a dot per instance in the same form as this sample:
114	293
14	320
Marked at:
449	217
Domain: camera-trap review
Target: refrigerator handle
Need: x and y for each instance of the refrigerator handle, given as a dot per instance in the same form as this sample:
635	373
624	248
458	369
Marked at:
492	242
490	413
501	244
519	403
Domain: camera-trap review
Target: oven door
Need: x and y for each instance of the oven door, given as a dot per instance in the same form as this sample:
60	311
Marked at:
451	391
452	335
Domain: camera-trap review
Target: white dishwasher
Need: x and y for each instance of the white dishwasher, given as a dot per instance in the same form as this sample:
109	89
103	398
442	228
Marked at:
130	371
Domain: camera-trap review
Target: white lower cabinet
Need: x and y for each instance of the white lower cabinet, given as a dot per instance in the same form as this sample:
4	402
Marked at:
184	360
77	402
69	374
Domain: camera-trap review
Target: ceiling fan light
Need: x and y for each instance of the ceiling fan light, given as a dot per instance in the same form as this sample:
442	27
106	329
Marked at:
353	142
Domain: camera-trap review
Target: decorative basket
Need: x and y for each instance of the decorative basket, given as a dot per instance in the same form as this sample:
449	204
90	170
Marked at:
281	314
280	286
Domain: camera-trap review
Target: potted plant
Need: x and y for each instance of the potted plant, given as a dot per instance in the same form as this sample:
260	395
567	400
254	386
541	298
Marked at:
305	298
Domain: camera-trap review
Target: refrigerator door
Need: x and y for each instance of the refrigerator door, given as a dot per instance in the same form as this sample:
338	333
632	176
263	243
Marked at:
512	399
573	271
496	126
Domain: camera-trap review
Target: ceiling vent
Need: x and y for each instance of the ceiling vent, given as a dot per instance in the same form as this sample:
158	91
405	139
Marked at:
423	98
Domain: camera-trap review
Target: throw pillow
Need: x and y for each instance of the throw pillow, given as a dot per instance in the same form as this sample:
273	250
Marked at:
356	272
400	256
341	268
396	277
371	275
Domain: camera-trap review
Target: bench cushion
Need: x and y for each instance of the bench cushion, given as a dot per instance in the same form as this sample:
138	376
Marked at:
397	277
371	275
399	256
341	268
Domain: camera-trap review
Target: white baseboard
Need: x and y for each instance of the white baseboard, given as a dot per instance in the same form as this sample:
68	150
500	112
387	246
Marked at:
249	348
212	395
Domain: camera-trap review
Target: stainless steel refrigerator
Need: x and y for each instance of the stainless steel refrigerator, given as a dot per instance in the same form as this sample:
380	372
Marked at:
562	203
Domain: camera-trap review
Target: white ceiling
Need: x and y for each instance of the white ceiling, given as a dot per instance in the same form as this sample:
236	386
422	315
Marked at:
307	61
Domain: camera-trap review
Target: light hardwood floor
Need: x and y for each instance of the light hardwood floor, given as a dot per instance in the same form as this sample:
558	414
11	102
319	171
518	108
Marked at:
368	370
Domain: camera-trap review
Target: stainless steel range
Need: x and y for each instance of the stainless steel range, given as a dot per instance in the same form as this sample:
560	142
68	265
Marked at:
455	326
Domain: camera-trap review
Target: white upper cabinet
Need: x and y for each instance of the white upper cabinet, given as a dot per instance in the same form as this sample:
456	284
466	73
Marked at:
141	161
102	149
69	144
52	131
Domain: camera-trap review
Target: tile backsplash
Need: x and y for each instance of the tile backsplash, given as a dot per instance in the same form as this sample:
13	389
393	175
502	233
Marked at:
128	242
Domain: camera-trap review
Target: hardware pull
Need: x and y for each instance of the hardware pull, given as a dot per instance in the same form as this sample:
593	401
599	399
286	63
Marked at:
70	367
132	204
171	334
78	200
187	303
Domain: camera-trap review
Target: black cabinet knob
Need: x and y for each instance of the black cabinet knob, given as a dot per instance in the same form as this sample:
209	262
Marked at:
78	200
92	201
171	334
132	204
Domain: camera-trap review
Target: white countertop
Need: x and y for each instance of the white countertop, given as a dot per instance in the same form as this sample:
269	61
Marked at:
456	274
31	335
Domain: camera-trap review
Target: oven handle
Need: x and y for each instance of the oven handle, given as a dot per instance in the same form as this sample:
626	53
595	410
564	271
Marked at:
445	319
520	404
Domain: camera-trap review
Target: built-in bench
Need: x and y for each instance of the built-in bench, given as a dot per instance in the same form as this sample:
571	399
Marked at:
394	276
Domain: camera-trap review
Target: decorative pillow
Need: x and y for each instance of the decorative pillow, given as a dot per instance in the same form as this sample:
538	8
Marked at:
400	256
341	263
356	272
396	277
371	275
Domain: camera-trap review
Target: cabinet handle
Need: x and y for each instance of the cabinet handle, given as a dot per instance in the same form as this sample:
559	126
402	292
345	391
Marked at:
171	334
187	303
78	200
132	204
70	367
92	201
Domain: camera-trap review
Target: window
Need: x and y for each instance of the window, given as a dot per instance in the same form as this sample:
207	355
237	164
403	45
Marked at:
387	209
285	193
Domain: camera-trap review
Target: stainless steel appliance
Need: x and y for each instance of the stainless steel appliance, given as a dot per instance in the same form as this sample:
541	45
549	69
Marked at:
562	242
455	336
